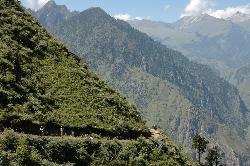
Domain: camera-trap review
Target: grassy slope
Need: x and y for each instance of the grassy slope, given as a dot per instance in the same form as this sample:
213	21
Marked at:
42	82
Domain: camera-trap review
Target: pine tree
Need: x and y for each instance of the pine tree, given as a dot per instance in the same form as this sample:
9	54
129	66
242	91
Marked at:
200	144
214	157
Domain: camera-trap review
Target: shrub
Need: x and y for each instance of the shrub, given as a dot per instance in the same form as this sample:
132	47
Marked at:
9	140
4	161
26	154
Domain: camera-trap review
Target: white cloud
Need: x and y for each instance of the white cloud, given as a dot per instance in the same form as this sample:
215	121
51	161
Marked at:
126	17
228	12
36	4
166	7
197	7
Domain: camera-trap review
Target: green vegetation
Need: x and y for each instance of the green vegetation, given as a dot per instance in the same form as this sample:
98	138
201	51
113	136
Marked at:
213	157
170	91
47	91
200	144
43	83
19	149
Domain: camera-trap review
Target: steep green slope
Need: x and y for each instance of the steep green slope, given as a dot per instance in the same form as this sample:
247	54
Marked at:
168	88
42	82
46	91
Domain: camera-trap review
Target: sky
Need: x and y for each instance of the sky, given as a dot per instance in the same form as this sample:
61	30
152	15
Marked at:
157	10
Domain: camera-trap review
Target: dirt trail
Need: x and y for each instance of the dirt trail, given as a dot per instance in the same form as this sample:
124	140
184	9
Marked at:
155	133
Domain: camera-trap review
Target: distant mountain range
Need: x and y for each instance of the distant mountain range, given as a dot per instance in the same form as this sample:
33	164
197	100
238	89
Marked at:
221	44
183	97
203	38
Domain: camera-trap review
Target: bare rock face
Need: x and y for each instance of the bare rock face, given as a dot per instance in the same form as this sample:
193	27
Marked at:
233	160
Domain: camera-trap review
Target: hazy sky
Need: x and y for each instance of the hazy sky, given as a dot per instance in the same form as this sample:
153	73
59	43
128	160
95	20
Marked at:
162	10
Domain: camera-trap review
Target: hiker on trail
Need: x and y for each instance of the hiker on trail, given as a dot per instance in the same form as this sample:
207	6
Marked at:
61	130
42	130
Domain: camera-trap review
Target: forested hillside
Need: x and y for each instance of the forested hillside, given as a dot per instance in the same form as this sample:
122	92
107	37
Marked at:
170	90
55	111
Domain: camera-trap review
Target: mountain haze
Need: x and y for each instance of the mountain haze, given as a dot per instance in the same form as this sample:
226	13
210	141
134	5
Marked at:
183	97
220	43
